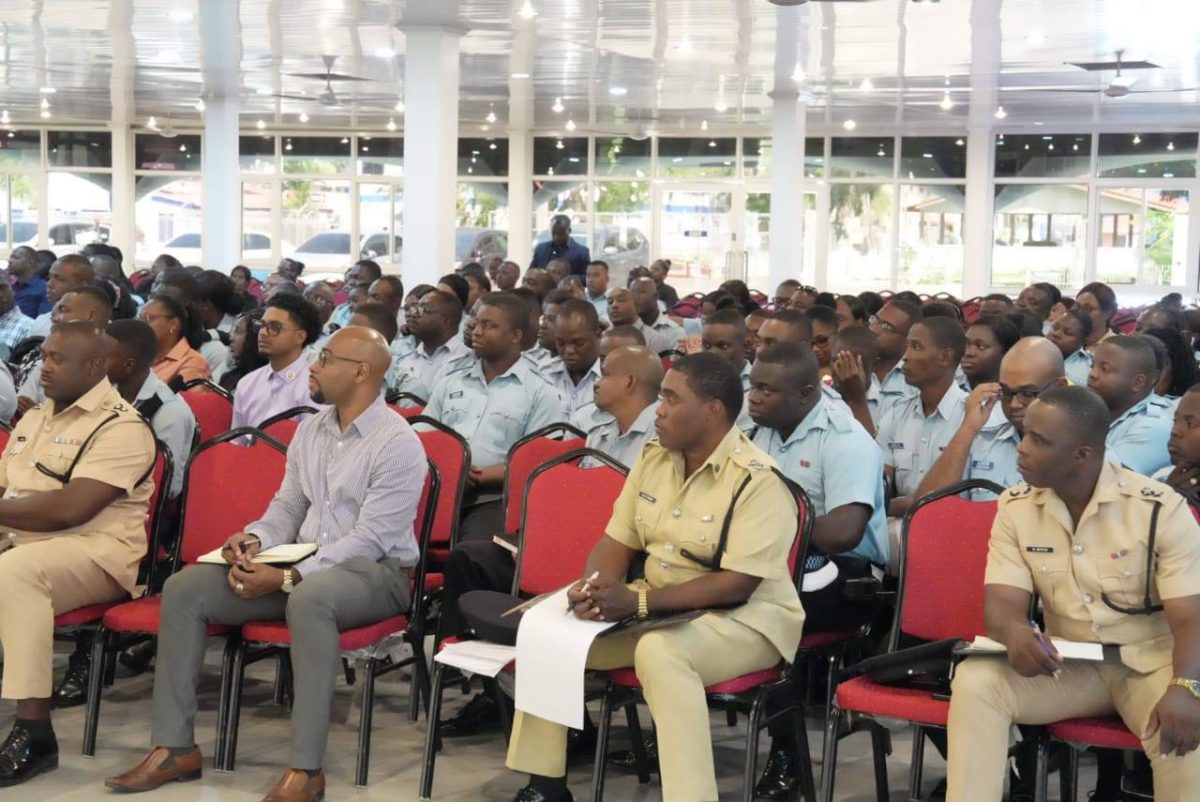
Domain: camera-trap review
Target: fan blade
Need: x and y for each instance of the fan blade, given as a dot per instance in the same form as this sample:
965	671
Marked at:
291	97
1162	91
320	76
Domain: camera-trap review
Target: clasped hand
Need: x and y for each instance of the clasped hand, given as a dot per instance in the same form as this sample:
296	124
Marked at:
247	579
600	600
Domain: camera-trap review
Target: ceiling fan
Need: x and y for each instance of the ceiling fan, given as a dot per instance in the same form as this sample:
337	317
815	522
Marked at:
327	97
1120	85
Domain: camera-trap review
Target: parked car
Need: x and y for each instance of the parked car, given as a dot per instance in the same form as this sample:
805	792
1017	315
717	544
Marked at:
328	254
479	245
256	247
65	238
622	247
22	230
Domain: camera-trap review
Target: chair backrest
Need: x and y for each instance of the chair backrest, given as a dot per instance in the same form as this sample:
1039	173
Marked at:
213	411
565	511
407	413
282	426
227	486
802	544
422	528
412	398
451	455
944	548
5	432
525	456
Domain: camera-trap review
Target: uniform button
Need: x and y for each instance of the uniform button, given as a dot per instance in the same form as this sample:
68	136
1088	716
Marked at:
669	548
666	566
737	450
675	513
639	519
702	538
1088	598
1077	549
1095	627
1129	573
48	429
1122	483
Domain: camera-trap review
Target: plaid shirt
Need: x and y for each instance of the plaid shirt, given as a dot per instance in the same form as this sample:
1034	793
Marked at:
14	327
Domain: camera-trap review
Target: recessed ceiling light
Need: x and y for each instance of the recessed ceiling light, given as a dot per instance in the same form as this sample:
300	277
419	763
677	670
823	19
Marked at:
385	52
391	124
712	143
4	118
558	106
45	114
520	75
570	126
946	103
849	125
400	106
1039	123
152	123
1137	140
263	90
491	116
559	145
1075	146
721	106
573	159
866	85
183	148
1001	113
287	145
492	146
45	103
527	10
684	48
485	127
1050	146
345	140
1170	146
303	117
881	152
618	91
47	90
1168	175
200	104
260	125
704	125
959	142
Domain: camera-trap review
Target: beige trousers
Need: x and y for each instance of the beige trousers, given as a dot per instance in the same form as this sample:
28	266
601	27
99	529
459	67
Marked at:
37	582
989	697
674	665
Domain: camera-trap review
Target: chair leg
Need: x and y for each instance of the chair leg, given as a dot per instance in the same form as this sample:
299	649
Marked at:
431	731
880	748
420	683
505	716
232	644
829	753
348	671
808	786
917	764
640	758
730	716
236	676
364	724
1042	772
832	669
600	762
283	678
753	725
1069	775
92	714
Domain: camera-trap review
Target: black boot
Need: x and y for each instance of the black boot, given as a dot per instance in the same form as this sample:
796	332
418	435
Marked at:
24	754
478	715
72	691
781	777
545	789
627	759
139	657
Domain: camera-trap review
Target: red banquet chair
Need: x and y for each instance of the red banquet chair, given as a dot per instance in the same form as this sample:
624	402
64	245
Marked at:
262	639
1079	733
212	405
450	453
225	487
283	426
556	534
525	456
928	607
772	689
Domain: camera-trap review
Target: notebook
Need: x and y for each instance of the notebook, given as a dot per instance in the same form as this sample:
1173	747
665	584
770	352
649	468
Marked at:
283	554
1067	649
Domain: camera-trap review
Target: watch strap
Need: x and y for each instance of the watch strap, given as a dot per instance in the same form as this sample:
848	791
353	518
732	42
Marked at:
643	610
1190	685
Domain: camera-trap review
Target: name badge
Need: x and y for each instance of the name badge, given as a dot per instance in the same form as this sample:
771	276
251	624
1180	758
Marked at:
1040	549
805	463
456	394
896	446
647	497
983	464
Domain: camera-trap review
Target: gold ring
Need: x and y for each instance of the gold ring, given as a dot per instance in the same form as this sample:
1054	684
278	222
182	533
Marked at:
239	587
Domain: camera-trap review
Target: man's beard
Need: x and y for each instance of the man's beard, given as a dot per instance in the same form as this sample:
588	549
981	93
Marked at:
317	396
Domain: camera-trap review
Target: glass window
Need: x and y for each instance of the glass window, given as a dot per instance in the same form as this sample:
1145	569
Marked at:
79	149
696	158
560	155
481	217
80	210
1147	155
1142	236
380	212
814	157
758	237
316	216
483	157
619	155
860	236
933	157
861	157
931	246
560	197
256	154
21	149
258	205
18	211
168	216
1043	155
154	152
623	212
381	155
316	155
696	235
756	157
1039	234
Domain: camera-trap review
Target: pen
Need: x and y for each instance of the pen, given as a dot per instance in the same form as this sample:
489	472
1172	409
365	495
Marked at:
595	575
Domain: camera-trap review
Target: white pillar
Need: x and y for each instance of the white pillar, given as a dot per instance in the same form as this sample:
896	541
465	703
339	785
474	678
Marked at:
430	150
787	195
520	197
977	225
220	36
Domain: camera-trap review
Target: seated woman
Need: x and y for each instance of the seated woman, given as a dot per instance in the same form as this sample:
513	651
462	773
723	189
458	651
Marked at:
244	356
177	328
1070	331
1100	303
988	340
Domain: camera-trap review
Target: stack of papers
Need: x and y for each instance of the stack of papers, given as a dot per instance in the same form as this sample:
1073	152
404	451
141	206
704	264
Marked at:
477	656
1067	649
283	554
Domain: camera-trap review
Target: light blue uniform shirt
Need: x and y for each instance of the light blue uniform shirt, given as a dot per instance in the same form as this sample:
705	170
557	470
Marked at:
833	458
578	400
1138	439
41	325
1077	366
625	448
893	389
600	302
744	421
340	317
664	335
491	417
911	442
417	368
994	455
174	424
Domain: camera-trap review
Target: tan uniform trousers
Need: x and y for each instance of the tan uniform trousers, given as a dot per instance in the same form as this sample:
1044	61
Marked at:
674	665
989	696
37	582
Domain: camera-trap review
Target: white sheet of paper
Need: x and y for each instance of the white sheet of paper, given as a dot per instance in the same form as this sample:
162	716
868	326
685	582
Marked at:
477	656
1067	650
552	651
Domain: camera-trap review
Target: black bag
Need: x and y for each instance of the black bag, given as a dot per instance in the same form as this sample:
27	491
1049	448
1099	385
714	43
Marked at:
927	666
484	613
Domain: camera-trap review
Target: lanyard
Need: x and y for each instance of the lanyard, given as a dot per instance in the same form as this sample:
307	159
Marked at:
1148	608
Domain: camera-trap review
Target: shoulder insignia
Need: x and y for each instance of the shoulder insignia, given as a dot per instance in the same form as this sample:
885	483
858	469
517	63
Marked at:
756	465
1150	492
1020	490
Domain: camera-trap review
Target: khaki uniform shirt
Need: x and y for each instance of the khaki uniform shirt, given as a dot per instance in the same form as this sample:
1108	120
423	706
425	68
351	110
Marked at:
119	455
661	513
1034	548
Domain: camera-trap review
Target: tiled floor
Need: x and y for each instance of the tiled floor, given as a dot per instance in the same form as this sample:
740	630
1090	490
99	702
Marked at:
470	769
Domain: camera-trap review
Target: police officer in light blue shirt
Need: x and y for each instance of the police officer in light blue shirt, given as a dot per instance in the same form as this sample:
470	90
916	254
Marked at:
574	372
433	321
985	445
724	333
1070	332
1123	375
626	398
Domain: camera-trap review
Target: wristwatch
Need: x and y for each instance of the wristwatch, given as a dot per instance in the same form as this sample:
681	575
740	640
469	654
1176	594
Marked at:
643	610
1192	685
287	581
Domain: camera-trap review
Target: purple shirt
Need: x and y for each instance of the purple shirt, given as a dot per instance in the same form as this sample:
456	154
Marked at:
265	392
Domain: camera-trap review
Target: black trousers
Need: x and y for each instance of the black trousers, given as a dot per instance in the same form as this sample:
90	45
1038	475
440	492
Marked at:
473	565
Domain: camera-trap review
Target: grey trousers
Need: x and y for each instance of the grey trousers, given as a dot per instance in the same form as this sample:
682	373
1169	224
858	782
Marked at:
356	593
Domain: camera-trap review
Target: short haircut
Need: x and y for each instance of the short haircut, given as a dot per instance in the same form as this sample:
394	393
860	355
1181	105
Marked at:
1001	297
380	318
796	319
910	310
1179	352
825	315
727	317
447	303
168	260
1160	350
301	311
908	296
217	288
1086	413
136	338
800	361
946	333
857	311
472	269
1103	294
458	285
719	300
872	301
1084	320
556	297
576	308
394	282
712	377
79	263
1027	322
790	282
1173	316
421	290
599	263
97	296
368	269
481	280
628	333
512	306
570	279
1002	329
858	338
1141	352
533	305
1051	290
942	309
826	299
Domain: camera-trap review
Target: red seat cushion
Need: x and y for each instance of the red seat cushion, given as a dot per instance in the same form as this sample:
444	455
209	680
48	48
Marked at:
434	582
819	640
83	615
1110	733
627	678
862	695
348	641
142	615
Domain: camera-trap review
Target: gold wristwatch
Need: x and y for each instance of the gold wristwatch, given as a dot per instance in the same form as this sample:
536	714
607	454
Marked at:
287	581
643	610
1192	685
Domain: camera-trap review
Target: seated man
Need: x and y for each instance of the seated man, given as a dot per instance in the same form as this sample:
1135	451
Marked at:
1183	474
820	446
855	352
14	324
77	481
985	445
289	323
675	501
1039	299
355	473
891	326
661	333
724	333
376	316
622	311
1123	375
532	350
620	337
88	304
70	272
1073	495
434	322
575	372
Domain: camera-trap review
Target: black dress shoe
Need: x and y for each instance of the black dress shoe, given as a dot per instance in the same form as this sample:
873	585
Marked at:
531	794
780	777
581	744
478	715
627	759
138	657
22	758
72	691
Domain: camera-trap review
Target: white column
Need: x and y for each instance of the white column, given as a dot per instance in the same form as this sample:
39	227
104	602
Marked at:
977	221
430	150
220	36
124	229
787	178
520	197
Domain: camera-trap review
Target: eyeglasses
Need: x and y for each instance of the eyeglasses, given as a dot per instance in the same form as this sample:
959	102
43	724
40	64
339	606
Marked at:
821	340
422	309
883	325
272	327
320	300
325	357
151	319
1026	396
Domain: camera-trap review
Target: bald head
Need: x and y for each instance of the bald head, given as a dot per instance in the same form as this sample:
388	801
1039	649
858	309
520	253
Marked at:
365	345
641	363
1031	367
1038	354
349	372
75	359
630	377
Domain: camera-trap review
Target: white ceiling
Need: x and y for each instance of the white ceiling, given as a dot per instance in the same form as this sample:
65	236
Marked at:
125	60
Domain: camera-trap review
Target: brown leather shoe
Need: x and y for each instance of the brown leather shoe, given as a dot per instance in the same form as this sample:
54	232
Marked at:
296	786
152	773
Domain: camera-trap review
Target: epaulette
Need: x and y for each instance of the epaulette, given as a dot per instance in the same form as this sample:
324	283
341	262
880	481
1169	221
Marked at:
1020	491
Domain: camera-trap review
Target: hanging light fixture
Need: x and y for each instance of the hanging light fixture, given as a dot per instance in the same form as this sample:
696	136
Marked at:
946	103
1001	113
570	126
527	10
391	124
558	107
